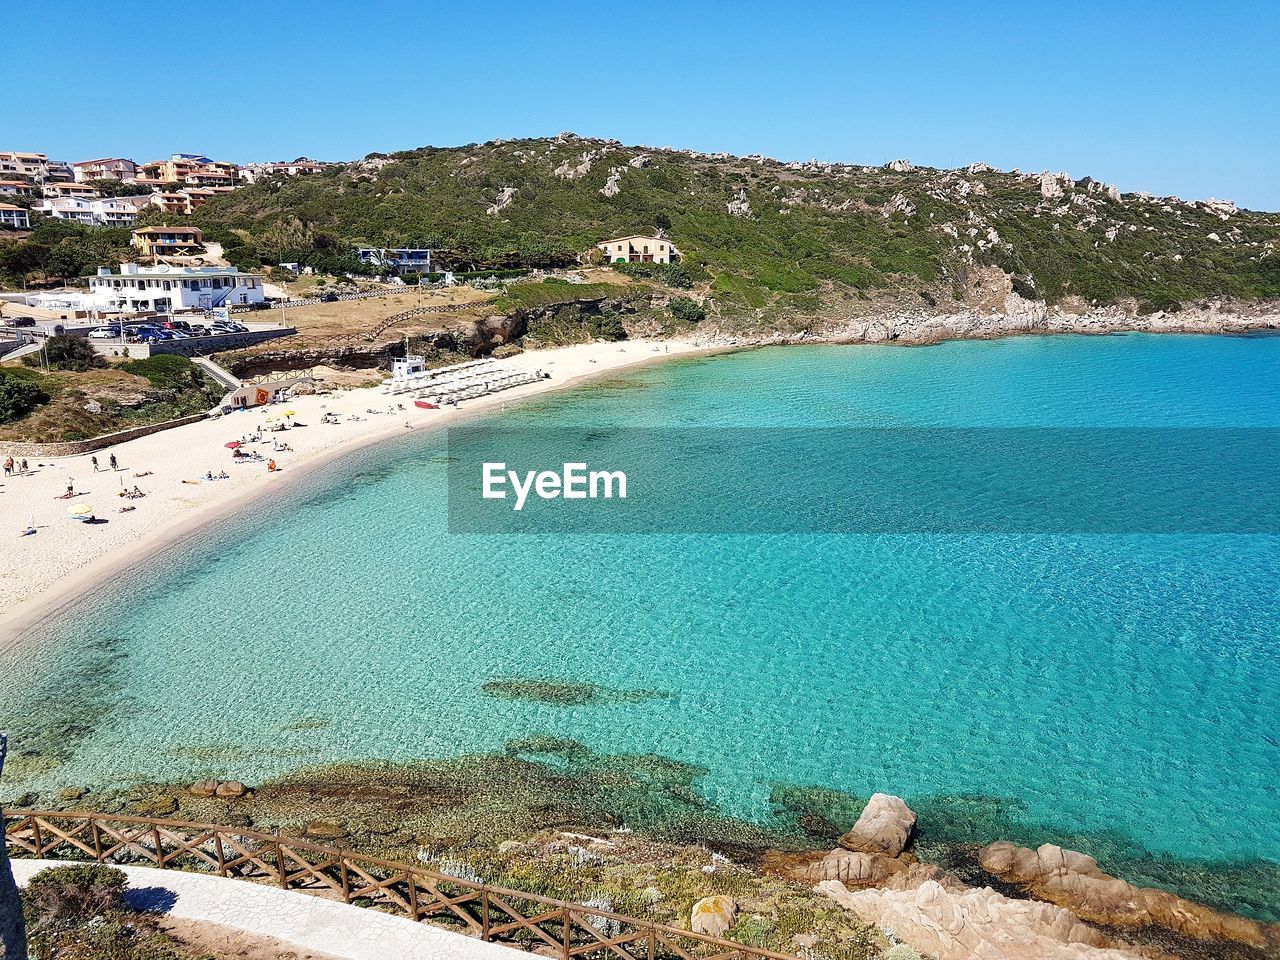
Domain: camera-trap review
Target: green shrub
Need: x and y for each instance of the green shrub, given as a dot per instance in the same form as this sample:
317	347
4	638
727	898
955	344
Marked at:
66	353
167	372
687	310
18	397
671	274
77	891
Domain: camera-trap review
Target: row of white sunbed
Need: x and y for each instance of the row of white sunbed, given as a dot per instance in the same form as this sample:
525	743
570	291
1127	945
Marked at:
464	381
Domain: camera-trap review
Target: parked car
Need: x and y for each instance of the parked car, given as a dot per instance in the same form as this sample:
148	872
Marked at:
22	321
199	330
329	298
104	333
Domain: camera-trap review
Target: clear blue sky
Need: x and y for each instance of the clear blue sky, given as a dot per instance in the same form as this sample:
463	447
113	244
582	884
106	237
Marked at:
1173	97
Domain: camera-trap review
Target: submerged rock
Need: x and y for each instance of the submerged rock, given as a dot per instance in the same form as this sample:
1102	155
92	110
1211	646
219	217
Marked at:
713	915
1075	881
226	789
884	827
231	789
323	830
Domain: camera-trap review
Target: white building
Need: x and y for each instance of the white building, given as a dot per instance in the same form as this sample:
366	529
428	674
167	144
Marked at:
165	289
14	217
33	165
105	168
639	249
61	189
102	212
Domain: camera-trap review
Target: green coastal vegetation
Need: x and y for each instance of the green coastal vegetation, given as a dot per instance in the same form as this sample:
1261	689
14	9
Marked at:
69	392
764	240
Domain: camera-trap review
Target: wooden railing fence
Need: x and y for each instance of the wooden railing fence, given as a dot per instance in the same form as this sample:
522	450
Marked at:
481	910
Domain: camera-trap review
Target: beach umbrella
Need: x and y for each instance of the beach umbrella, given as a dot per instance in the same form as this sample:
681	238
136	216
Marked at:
79	510
233	445
288	413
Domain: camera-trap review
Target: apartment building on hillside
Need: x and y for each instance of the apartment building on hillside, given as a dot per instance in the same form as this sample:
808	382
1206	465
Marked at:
104	168
152	242
96	212
32	165
15	218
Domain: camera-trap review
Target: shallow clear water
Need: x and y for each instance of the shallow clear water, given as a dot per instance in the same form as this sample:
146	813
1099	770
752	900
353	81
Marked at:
1105	683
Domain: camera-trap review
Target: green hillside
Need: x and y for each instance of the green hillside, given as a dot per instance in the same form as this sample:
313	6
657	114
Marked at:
765	239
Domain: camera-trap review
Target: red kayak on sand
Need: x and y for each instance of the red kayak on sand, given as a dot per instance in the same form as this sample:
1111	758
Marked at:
425	405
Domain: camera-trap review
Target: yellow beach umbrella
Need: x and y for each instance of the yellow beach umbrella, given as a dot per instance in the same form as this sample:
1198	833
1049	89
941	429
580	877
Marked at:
80	510
288	413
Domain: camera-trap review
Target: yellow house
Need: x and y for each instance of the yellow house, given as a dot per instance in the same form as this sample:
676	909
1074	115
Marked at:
168	241
639	249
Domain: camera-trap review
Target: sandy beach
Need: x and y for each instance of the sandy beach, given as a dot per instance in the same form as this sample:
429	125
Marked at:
44	571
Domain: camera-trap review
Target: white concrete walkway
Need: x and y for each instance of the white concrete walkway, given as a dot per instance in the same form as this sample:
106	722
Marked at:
313	923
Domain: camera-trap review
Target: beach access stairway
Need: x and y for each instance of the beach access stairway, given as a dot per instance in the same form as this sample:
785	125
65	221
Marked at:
229	380
461	381
485	912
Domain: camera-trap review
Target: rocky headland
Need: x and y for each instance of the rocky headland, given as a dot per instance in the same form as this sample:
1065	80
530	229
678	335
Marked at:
632	834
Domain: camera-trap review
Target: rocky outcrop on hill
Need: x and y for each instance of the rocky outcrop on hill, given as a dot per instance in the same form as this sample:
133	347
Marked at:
1075	881
739	206
506	196
613	186
884	827
966	924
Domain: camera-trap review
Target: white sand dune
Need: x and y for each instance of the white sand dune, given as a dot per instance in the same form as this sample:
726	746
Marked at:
40	573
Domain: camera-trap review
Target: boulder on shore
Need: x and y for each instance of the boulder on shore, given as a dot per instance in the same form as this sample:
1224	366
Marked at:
969	923
1075	881
713	916
854	870
884	827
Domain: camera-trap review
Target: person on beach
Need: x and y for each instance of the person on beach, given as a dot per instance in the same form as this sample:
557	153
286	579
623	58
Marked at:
8	467
25	468
94	461
112	461
71	487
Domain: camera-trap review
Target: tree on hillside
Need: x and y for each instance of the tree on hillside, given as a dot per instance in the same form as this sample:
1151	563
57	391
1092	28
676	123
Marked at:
66	353
13	935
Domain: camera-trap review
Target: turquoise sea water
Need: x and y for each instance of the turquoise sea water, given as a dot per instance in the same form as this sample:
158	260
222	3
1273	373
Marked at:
1122	683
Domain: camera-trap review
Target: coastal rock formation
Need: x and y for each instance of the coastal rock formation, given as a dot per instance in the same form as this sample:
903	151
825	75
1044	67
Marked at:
884	827
854	870
976	923
899	166
1075	881
713	915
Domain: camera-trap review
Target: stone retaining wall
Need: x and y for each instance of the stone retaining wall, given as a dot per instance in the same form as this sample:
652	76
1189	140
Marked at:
72	448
